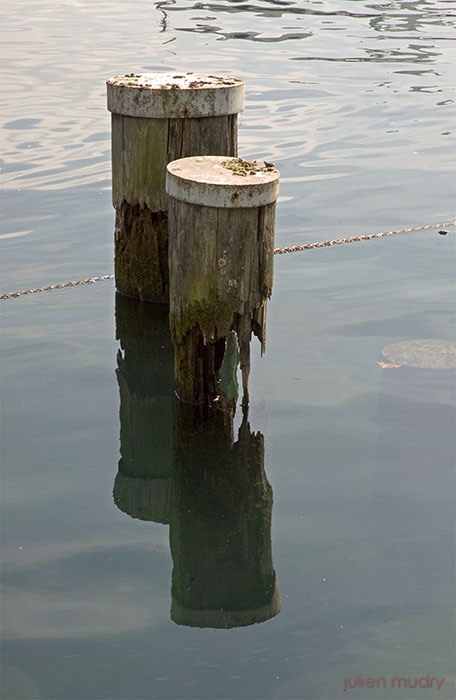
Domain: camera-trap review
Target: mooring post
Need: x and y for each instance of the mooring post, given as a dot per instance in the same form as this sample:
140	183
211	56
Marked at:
221	248
157	118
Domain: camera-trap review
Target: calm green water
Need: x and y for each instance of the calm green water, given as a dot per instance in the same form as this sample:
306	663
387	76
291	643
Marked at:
343	482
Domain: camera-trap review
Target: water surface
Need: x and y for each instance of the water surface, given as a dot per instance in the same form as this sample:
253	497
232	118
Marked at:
353	101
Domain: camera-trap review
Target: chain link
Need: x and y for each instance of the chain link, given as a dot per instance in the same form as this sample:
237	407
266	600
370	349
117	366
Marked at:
352	239
277	251
90	280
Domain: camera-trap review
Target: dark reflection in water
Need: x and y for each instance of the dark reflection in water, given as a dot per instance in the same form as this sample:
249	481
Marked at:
220	532
274	9
185	469
147	406
375	56
250	36
395	20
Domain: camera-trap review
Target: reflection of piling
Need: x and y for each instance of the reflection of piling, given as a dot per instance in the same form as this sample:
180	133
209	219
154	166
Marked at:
221	241
414	472
145	377
220	533
157	118
180	465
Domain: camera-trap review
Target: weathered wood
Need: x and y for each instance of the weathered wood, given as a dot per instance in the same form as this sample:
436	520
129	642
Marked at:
142	148
220	532
221	267
158	118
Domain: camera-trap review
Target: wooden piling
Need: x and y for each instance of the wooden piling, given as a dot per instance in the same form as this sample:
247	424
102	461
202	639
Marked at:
157	118
221	243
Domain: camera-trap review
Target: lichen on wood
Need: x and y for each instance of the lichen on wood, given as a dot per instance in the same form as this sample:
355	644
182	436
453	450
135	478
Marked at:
242	167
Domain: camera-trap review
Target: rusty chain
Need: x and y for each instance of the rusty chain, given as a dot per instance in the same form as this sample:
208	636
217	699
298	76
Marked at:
90	280
352	239
277	251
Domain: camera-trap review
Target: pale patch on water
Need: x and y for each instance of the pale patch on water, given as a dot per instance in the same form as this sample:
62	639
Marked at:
17	234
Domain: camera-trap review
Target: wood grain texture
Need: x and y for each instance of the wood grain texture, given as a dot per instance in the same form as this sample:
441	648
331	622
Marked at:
221	275
141	252
141	150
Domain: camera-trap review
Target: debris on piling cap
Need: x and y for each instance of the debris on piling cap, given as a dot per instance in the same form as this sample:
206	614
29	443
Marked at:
218	181
175	95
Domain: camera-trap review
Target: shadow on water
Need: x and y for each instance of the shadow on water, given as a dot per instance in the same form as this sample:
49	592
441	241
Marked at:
180	468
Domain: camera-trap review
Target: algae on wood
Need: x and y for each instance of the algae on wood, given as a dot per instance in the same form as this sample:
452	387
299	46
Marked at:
222	273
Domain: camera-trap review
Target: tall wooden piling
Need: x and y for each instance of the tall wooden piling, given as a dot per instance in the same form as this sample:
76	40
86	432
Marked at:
221	247
157	118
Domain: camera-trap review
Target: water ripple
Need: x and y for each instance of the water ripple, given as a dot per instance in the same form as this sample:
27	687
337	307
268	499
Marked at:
326	94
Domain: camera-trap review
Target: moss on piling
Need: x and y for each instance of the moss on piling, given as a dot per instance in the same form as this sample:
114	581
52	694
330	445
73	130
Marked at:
213	315
141	253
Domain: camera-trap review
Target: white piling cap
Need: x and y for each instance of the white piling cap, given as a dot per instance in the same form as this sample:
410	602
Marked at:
175	95
223	182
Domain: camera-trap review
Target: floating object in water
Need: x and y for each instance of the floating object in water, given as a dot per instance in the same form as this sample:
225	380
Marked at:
422	354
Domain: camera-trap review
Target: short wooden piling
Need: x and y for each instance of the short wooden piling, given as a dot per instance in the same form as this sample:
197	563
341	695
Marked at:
221	247
157	118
